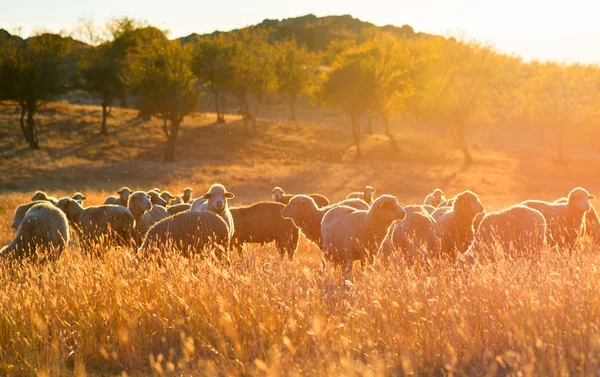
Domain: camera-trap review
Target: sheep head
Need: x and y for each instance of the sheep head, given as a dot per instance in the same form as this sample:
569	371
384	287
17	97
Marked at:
386	207
79	197
467	203
124	193
156	199
217	197
579	198
70	207
297	206
277	193
368	192
39	195
139	203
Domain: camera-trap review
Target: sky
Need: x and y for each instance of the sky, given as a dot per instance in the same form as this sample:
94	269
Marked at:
533	29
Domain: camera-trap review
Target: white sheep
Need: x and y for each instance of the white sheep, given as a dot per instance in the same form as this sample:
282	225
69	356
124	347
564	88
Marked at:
350	234
515	232
435	198
417	237
281	197
41	195
42	235
121	199
112	223
456	223
79	197
21	211
216	200
190	232
564	221
145	213
183	199
366	194
307	216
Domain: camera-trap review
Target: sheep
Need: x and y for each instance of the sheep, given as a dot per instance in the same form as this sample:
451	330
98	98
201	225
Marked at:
417	237
216	200
188	232
185	198
592	223
366	195
22	210
79	197
263	223
307	216
281	197
42	235
120	200
178	208
350	234
40	195
435	198
110	222
167	197
145	213
456	223
564	221
156	199
520	231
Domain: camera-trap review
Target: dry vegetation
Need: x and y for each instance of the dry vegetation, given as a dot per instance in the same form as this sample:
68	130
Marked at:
262	316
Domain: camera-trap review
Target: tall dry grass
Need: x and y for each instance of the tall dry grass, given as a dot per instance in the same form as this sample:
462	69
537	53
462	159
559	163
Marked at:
265	316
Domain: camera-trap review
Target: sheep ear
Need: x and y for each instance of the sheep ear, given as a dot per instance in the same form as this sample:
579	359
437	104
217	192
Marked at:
206	196
272	191
591	197
229	195
83	198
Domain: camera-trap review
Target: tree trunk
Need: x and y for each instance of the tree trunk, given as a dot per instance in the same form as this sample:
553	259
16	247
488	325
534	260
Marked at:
104	130
369	126
30	131
293	99
459	131
258	103
356	134
221	117
216	92
172	140
388	132
23	110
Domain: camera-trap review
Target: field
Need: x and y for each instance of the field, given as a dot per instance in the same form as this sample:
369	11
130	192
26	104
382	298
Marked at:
265	316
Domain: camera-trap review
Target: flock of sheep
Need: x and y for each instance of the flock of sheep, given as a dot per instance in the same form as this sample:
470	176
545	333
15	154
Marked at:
359	228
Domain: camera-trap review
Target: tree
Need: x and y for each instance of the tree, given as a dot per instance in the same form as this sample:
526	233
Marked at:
100	74
253	70
457	87
212	65
160	75
560	96
350	87
296	69
33	72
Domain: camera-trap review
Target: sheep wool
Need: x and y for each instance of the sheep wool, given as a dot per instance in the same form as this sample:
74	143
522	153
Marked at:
263	223
190	233
42	235
519	231
350	234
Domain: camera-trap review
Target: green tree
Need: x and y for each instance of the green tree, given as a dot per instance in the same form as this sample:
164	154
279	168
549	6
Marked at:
350	87
458	87
296	69
100	73
33	72
253	70
161	77
212	65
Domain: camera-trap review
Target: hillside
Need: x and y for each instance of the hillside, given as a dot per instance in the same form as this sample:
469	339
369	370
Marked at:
317	32
313	154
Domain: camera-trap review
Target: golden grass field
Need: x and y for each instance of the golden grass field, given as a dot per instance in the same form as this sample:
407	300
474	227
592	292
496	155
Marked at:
260	316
